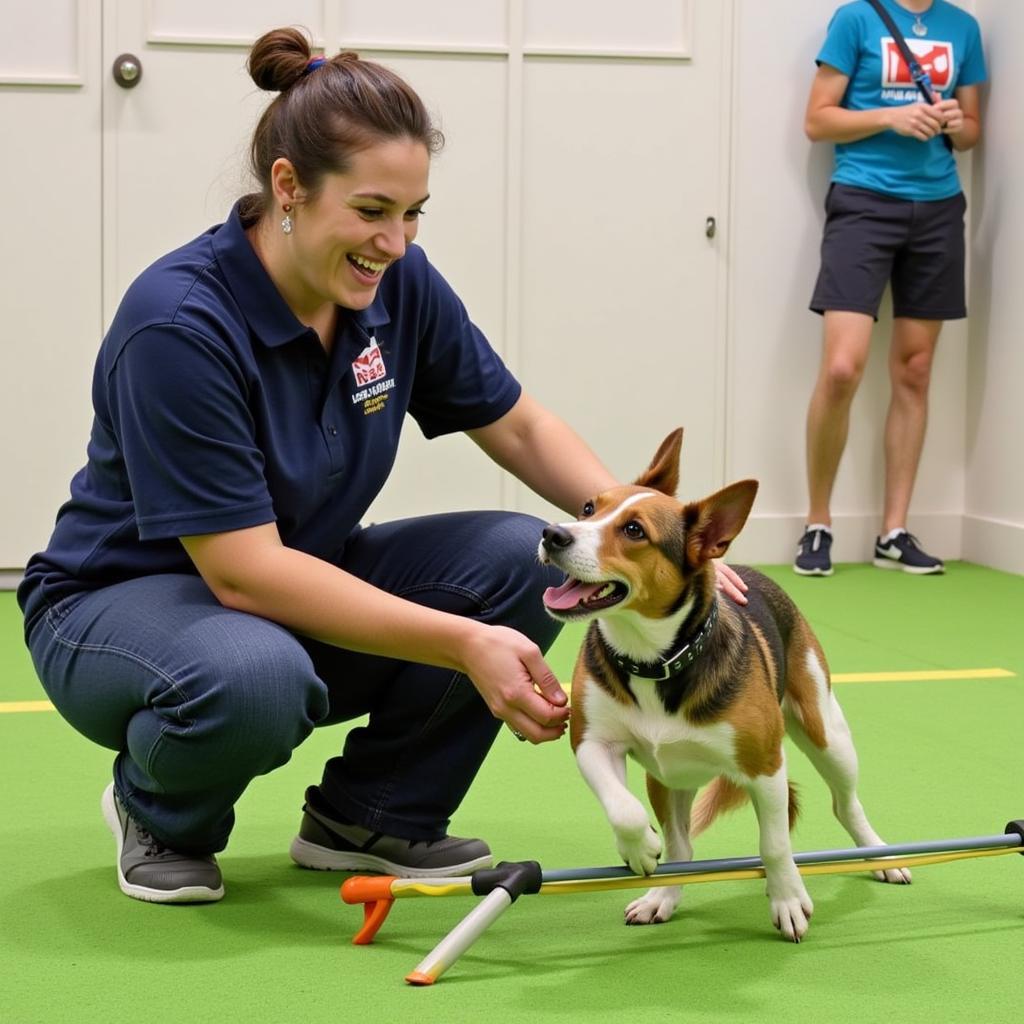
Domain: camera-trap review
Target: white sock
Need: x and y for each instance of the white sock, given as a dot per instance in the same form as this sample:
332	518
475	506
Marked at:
893	534
818	526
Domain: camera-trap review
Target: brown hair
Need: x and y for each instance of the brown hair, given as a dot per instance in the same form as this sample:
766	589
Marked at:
325	113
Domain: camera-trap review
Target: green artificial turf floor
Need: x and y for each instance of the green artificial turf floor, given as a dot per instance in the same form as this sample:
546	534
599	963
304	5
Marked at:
939	759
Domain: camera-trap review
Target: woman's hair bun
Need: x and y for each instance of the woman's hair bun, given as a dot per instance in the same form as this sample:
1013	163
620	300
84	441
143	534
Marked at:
279	58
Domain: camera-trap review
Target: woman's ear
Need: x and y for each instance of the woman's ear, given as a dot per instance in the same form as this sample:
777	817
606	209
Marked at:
285	183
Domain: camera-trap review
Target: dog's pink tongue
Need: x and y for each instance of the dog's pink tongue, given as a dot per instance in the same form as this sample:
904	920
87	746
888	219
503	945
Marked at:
569	594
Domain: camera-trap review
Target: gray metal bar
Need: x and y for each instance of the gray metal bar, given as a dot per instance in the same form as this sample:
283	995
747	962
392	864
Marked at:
694	867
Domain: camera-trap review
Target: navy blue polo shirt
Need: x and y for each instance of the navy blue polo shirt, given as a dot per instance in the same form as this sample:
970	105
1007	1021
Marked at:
215	410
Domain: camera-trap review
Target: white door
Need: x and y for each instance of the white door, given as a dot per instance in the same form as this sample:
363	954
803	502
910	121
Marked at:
50	101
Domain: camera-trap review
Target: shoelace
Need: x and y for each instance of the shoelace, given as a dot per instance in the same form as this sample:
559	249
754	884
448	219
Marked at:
911	540
816	539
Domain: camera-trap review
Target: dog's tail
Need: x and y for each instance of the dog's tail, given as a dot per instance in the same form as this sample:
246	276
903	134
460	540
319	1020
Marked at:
724	795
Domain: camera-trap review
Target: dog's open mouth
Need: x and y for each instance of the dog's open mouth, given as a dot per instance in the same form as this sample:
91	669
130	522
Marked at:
574	597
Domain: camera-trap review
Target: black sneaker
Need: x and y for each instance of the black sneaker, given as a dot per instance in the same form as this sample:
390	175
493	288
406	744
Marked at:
147	870
326	844
904	552
812	553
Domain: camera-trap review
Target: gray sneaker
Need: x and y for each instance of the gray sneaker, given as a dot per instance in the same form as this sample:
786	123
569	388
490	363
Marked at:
326	844
147	870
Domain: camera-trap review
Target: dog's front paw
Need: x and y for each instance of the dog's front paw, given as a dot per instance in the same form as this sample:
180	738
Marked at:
655	907
640	849
791	911
638	843
897	876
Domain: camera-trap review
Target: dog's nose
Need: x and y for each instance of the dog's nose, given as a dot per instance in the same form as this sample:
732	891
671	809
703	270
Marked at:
556	536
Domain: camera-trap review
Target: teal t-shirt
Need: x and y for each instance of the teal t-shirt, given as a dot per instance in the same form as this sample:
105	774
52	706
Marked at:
859	46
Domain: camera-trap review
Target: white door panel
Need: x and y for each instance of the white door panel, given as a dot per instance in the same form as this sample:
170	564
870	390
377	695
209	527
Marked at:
176	144
623	165
50	261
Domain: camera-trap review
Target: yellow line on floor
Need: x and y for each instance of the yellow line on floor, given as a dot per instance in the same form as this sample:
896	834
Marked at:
924	676
27	705
838	677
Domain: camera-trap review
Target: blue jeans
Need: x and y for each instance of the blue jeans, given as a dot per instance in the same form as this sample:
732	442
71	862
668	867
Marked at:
199	699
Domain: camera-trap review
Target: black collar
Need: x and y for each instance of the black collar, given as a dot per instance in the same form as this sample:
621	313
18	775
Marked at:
674	663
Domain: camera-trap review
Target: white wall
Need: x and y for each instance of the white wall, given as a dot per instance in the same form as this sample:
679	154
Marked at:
994	503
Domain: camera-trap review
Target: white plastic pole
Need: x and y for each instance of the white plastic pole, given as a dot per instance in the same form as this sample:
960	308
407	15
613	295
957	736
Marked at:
460	938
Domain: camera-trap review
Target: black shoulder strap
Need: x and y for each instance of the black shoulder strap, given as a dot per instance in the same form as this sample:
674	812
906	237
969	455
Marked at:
918	73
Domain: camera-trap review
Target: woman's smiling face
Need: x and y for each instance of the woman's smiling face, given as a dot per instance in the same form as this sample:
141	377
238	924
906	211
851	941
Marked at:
357	225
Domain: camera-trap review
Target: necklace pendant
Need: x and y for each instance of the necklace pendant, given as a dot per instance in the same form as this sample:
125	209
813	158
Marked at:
919	28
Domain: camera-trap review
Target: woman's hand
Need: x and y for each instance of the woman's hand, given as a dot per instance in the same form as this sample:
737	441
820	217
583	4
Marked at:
729	583
951	114
921	121
516	683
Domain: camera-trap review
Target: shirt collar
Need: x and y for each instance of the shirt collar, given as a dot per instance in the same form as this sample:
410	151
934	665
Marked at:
265	310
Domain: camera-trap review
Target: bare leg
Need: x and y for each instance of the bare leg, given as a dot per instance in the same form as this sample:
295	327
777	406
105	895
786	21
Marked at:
910	369
845	353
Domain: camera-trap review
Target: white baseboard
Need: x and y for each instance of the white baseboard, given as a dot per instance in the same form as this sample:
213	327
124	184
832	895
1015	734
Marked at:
994	542
772	539
9	579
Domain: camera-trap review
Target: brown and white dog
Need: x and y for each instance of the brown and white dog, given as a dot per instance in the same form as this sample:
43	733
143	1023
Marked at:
693	686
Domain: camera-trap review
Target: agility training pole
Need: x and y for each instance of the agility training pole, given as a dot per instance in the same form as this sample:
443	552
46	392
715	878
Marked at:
502	885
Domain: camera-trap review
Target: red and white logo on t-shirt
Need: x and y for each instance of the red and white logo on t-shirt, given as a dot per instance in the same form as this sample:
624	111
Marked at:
369	365
934	57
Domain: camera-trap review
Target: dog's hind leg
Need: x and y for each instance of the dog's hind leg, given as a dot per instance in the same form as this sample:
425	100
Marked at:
790	904
816	724
672	808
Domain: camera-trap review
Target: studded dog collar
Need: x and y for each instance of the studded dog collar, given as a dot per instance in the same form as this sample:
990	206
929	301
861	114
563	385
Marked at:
674	663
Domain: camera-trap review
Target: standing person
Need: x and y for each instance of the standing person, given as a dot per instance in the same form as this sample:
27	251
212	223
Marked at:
894	213
208	596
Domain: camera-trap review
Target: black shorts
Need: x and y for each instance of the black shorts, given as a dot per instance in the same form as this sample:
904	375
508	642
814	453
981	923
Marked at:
871	239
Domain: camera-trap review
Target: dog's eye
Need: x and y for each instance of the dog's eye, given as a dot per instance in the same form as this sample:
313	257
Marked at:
588	509
633	530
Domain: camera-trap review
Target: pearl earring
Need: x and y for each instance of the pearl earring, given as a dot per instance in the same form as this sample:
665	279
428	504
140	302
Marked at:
286	224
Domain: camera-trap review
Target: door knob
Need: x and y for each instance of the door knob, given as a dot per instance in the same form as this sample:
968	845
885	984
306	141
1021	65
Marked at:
127	70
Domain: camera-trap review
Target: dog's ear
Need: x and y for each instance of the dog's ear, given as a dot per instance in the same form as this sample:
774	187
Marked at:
714	523
663	472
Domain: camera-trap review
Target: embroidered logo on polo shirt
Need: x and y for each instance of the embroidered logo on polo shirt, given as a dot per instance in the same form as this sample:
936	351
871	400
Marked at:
372	382
369	364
